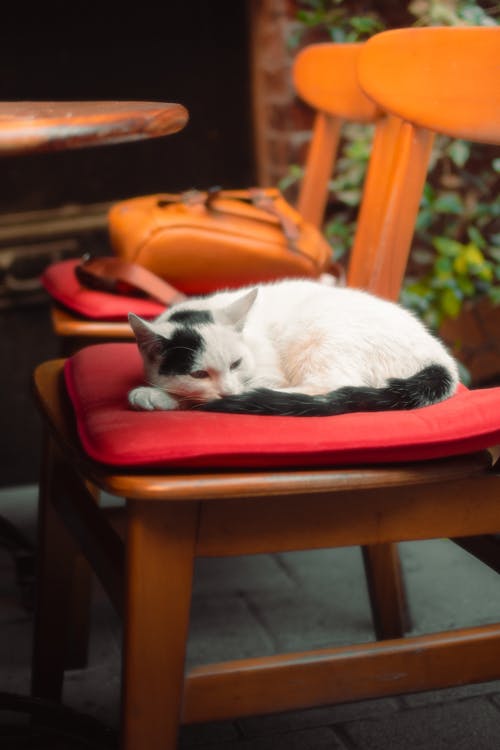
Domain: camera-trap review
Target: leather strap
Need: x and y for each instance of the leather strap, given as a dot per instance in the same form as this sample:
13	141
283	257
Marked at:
269	200
121	277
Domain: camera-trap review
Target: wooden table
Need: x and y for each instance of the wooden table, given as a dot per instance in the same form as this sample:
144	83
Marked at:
29	127
57	126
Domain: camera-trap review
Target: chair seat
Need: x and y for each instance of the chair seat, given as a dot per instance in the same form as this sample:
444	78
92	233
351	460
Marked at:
99	377
60	281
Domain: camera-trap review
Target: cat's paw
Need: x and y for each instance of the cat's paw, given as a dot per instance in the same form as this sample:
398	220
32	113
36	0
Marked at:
146	398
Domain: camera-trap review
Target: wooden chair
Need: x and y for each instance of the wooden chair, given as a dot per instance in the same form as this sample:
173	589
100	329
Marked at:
436	487
325	78
462	102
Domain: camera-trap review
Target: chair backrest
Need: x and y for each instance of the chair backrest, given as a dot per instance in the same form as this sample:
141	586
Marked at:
325	77
431	80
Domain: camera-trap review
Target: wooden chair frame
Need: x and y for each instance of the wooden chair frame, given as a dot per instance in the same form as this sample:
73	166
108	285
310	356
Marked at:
172	518
336	98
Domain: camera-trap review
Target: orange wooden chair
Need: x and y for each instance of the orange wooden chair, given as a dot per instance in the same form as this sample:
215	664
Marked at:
325	78
226	486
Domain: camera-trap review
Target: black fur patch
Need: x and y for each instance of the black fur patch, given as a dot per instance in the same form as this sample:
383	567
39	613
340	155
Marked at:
191	317
180	352
430	385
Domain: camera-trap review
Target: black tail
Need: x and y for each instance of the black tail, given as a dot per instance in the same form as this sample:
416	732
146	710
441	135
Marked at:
430	385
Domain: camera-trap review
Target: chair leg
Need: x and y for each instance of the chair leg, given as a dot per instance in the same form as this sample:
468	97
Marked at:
160	551
79	610
80	606
56	559
386	590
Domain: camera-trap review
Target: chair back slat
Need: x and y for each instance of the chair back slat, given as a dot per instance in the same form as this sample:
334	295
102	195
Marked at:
319	166
325	76
389	209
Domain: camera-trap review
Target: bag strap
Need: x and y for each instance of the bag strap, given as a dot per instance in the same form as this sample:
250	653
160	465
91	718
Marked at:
121	277
269	200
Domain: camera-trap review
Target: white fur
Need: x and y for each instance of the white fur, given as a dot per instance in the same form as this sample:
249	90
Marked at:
292	335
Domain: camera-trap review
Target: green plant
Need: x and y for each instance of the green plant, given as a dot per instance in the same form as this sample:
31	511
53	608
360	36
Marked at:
340	24
456	250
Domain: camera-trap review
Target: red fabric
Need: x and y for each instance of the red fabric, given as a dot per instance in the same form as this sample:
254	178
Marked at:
61	283
99	377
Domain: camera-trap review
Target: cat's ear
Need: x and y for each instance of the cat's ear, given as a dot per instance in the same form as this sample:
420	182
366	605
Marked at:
147	339
237	311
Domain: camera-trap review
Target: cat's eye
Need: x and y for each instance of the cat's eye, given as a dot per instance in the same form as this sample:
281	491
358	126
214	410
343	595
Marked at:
235	364
199	374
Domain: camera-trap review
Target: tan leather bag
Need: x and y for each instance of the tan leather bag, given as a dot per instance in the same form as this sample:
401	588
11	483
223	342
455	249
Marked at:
202	241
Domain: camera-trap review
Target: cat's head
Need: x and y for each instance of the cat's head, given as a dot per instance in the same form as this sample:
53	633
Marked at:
195	352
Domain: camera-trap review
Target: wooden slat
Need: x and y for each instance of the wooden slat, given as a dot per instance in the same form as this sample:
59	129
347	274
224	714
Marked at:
468	507
66	324
386	590
89	527
321	156
349	673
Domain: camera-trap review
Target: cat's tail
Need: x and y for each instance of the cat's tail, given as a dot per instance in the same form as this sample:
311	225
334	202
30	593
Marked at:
432	384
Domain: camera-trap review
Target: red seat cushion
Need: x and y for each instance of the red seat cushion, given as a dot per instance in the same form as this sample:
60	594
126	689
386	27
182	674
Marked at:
60	281
99	377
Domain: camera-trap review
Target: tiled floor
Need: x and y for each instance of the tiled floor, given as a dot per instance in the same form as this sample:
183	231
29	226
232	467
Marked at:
267	603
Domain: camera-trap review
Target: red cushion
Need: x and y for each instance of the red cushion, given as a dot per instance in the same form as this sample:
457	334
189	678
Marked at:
99	377
61	283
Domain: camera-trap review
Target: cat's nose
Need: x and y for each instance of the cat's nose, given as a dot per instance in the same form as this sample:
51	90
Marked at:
227	389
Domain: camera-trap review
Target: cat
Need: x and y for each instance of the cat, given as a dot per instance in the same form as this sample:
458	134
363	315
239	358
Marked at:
293	347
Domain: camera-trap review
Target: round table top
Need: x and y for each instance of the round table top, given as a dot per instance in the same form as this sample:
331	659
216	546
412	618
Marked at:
56	126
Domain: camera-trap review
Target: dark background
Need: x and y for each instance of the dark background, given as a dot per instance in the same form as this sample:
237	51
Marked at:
195	53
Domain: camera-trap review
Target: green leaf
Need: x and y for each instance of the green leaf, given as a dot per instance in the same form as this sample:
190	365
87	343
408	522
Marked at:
349	197
424	219
428	194
446	246
364	25
466	286
459	152
422	255
359	150
494	295
476	237
450	303
494	252
443	267
474	255
448	203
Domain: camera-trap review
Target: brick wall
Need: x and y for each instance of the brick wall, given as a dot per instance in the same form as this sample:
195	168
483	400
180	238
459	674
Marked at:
281	122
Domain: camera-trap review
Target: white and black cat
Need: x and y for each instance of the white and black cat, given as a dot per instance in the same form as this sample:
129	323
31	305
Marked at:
293	347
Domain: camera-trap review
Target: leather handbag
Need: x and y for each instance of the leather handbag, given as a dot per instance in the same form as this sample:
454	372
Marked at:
202	241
